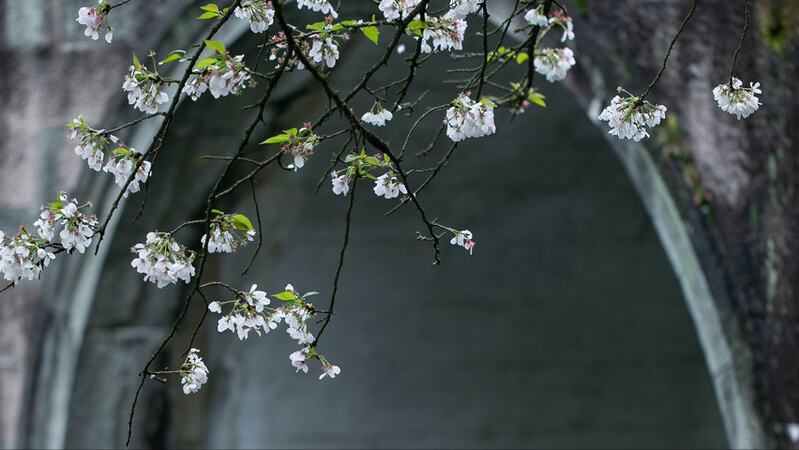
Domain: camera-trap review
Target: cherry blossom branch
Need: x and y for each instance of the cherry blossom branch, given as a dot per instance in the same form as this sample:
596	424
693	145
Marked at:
372	138
347	222
118	4
134	122
158	139
260	229
741	43
668	52
481	79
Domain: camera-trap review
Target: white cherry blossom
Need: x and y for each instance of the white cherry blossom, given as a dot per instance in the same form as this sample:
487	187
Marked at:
554	63
629	117
736	99
317	5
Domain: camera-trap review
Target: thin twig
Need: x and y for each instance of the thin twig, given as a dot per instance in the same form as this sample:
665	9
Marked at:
668	52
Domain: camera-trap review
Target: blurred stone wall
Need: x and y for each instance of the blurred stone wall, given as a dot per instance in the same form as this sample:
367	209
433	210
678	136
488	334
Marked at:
566	328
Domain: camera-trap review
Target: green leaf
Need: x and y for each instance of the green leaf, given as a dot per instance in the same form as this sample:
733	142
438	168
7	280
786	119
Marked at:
205	62
522	57
136	62
208	15
318	26
371	33
416	27
242	223
373	161
216	46
216	211
284	296
538	99
276	139
351	157
487	101
292	131
171	57
308	294
210	7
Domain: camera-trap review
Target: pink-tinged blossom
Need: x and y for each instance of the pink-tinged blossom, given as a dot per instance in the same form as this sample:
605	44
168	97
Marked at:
300	146
463	238
298	359
736	99
226	235
144	90
388	186
330	370
194	372
459	9
629	117
340	183
469	119
317	5
162	260
78	228
444	33
20	257
122	168
565	22
259	13
553	63
397	9
227	75
93	18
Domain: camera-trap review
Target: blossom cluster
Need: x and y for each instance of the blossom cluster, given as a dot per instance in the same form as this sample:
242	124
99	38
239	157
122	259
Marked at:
299	359
536	17
93	145
397	9
221	74
22	256
389	186
629	117
467	118
259	13
565	22
444	33
26	255
144	89
322	6
78	228
194	373
228	231
93	17
300	145
162	260
251	312
553	63
459	9
377	116
247	314
324	48
736	99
